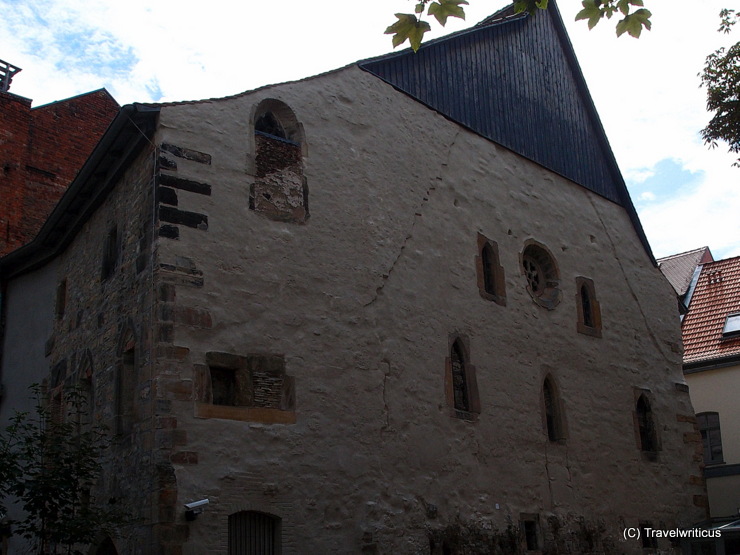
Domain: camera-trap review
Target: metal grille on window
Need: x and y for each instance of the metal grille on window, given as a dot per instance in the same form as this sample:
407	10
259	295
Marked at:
254	533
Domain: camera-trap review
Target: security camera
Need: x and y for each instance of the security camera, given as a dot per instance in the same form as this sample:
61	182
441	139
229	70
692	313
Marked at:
196	504
195	508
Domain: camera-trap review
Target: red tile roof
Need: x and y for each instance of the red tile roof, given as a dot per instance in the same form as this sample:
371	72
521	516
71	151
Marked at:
717	295
679	268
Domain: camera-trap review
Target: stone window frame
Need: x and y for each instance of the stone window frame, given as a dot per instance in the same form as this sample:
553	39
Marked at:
541	273
490	274
529	528
646	424
588	308
459	347
554	423
240	364
702	420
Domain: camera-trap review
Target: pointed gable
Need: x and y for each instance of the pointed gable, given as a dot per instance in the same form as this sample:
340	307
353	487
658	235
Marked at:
514	80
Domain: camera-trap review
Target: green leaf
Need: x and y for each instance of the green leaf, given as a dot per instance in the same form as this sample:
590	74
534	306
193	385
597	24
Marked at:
408	27
634	22
591	12
443	9
529	6
419	7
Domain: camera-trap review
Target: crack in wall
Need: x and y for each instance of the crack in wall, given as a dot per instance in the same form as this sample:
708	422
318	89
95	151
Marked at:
649	330
417	215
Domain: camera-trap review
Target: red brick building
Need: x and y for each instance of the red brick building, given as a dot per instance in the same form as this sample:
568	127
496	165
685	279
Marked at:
41	151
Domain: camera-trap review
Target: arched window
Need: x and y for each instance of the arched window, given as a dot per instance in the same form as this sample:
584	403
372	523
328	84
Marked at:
589	311
460	382
279	191
491	283
542	275
254	533
553	412
106	547
645	423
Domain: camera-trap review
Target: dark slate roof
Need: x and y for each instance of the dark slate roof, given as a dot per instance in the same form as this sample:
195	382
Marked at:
717	295
514	79
679	268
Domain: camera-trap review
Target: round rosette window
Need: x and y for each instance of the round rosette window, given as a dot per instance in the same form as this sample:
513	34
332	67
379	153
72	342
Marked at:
541	272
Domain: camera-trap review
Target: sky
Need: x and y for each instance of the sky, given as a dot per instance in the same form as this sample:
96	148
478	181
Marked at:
646	90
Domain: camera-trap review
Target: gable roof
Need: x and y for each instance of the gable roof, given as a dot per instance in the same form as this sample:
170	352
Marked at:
679	268
717	295
514	79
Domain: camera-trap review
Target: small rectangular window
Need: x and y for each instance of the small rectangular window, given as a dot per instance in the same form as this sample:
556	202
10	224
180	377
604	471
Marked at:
223	385
711	437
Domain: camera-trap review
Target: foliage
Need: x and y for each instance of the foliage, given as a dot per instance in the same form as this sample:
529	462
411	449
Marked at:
48	464
721	77
412	27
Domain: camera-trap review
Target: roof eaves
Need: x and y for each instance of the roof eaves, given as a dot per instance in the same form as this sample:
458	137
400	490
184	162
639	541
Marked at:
127	133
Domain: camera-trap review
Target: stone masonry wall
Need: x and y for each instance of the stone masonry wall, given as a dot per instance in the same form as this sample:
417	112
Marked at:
104	338
362	303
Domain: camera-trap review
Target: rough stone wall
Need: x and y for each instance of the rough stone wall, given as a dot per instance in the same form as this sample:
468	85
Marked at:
105	318
42	150
362	301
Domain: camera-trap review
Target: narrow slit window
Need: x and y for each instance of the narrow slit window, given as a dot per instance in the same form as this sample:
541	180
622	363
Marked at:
490	273
589	310
646	425
553	413
459	381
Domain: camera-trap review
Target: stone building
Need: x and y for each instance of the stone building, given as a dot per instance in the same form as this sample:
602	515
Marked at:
402	307
41	150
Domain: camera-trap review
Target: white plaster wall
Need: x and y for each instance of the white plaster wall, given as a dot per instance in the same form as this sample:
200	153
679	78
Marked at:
716	391
29	312
362	300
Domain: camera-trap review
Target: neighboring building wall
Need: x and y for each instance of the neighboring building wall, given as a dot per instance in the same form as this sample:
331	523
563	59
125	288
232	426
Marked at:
712	370
42	150
359	306
108	325
28	321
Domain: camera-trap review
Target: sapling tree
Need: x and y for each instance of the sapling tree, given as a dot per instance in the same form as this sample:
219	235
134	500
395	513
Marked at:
50	459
